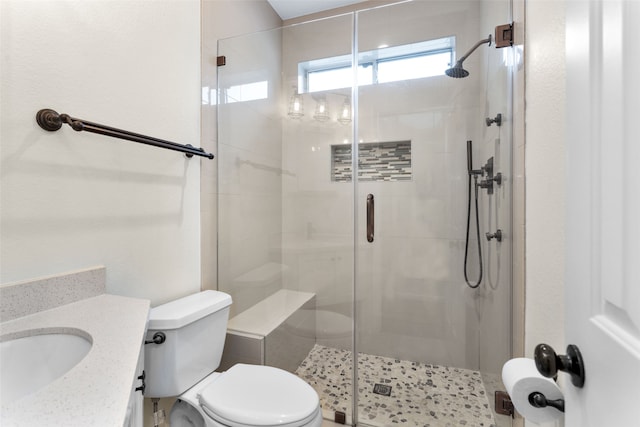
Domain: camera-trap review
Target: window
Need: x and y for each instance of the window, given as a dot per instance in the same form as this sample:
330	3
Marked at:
334	78
383	65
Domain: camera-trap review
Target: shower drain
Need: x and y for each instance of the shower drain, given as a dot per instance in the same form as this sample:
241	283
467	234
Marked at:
384	390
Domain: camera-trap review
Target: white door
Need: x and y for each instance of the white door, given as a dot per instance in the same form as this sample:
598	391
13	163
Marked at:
602	296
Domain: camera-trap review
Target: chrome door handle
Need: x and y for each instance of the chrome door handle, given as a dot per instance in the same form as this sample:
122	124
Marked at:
370	217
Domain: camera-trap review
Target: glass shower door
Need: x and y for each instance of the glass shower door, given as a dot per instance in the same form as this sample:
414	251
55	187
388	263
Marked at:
342	210
317	214
285	225
429	347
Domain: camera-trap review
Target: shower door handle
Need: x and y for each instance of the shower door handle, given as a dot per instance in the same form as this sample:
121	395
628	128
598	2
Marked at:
370	217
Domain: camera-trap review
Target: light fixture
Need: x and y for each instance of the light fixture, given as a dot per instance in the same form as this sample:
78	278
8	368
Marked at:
345	112
296	107
322	111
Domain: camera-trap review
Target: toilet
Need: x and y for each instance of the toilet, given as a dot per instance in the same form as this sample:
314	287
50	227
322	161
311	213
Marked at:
183	365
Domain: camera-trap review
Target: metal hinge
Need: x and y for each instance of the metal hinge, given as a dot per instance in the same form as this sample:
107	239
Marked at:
221	61
504	35
504	406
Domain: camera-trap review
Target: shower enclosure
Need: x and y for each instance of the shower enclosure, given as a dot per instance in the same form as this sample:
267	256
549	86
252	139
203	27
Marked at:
342	209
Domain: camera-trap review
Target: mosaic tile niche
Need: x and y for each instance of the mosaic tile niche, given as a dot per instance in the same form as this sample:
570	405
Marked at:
377	161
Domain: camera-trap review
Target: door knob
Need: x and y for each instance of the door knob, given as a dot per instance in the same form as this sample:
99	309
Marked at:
549	363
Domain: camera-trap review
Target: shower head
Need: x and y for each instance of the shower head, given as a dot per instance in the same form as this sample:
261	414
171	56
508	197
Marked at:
457	71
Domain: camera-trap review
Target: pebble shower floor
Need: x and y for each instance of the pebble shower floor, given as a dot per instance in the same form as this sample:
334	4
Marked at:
421	394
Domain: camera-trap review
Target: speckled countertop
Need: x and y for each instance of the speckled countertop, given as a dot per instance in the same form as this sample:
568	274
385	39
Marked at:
96	391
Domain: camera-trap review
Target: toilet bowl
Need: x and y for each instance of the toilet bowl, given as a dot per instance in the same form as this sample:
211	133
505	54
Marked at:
183	364
248	395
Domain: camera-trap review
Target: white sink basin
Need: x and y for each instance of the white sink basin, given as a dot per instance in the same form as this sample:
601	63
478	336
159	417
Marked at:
29	363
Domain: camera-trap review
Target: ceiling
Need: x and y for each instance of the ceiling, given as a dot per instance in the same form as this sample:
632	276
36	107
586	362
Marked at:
288	9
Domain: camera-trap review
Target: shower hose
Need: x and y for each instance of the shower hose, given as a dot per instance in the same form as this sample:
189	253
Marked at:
466	247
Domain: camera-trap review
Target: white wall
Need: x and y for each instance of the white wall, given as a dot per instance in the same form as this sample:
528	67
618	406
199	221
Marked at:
73	200
545	168
220	19
545	174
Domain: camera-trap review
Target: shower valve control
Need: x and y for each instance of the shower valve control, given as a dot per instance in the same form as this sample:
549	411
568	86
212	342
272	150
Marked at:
497	235
487	183
488	167
497	120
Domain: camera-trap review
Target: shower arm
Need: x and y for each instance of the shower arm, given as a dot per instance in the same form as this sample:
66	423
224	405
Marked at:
480	43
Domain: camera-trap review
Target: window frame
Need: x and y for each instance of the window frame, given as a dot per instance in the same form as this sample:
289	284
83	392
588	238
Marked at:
373	58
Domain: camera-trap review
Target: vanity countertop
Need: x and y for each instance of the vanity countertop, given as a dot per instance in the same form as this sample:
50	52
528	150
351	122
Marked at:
96	391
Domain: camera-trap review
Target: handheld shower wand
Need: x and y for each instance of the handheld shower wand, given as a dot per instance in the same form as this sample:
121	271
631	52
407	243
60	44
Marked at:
472	173
470	170
469	158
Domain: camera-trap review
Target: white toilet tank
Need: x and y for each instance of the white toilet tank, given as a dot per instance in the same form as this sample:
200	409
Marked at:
195	328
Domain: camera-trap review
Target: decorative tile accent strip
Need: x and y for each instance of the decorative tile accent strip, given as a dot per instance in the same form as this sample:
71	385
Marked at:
31	296
377	161
420	395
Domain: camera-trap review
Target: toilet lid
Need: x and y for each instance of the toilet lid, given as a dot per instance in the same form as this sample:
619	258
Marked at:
259	396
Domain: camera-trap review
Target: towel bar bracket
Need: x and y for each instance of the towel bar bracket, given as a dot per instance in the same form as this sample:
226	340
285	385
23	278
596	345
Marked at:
49	120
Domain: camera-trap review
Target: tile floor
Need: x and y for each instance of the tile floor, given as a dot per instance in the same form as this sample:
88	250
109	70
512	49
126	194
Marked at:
419	394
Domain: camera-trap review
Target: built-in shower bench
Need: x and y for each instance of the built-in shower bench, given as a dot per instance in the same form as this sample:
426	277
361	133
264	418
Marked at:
277	331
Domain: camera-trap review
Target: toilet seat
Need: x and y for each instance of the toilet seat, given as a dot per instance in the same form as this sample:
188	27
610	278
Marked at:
250	395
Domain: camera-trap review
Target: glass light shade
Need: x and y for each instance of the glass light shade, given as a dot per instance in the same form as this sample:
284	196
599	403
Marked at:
345	112
322	112
296	107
